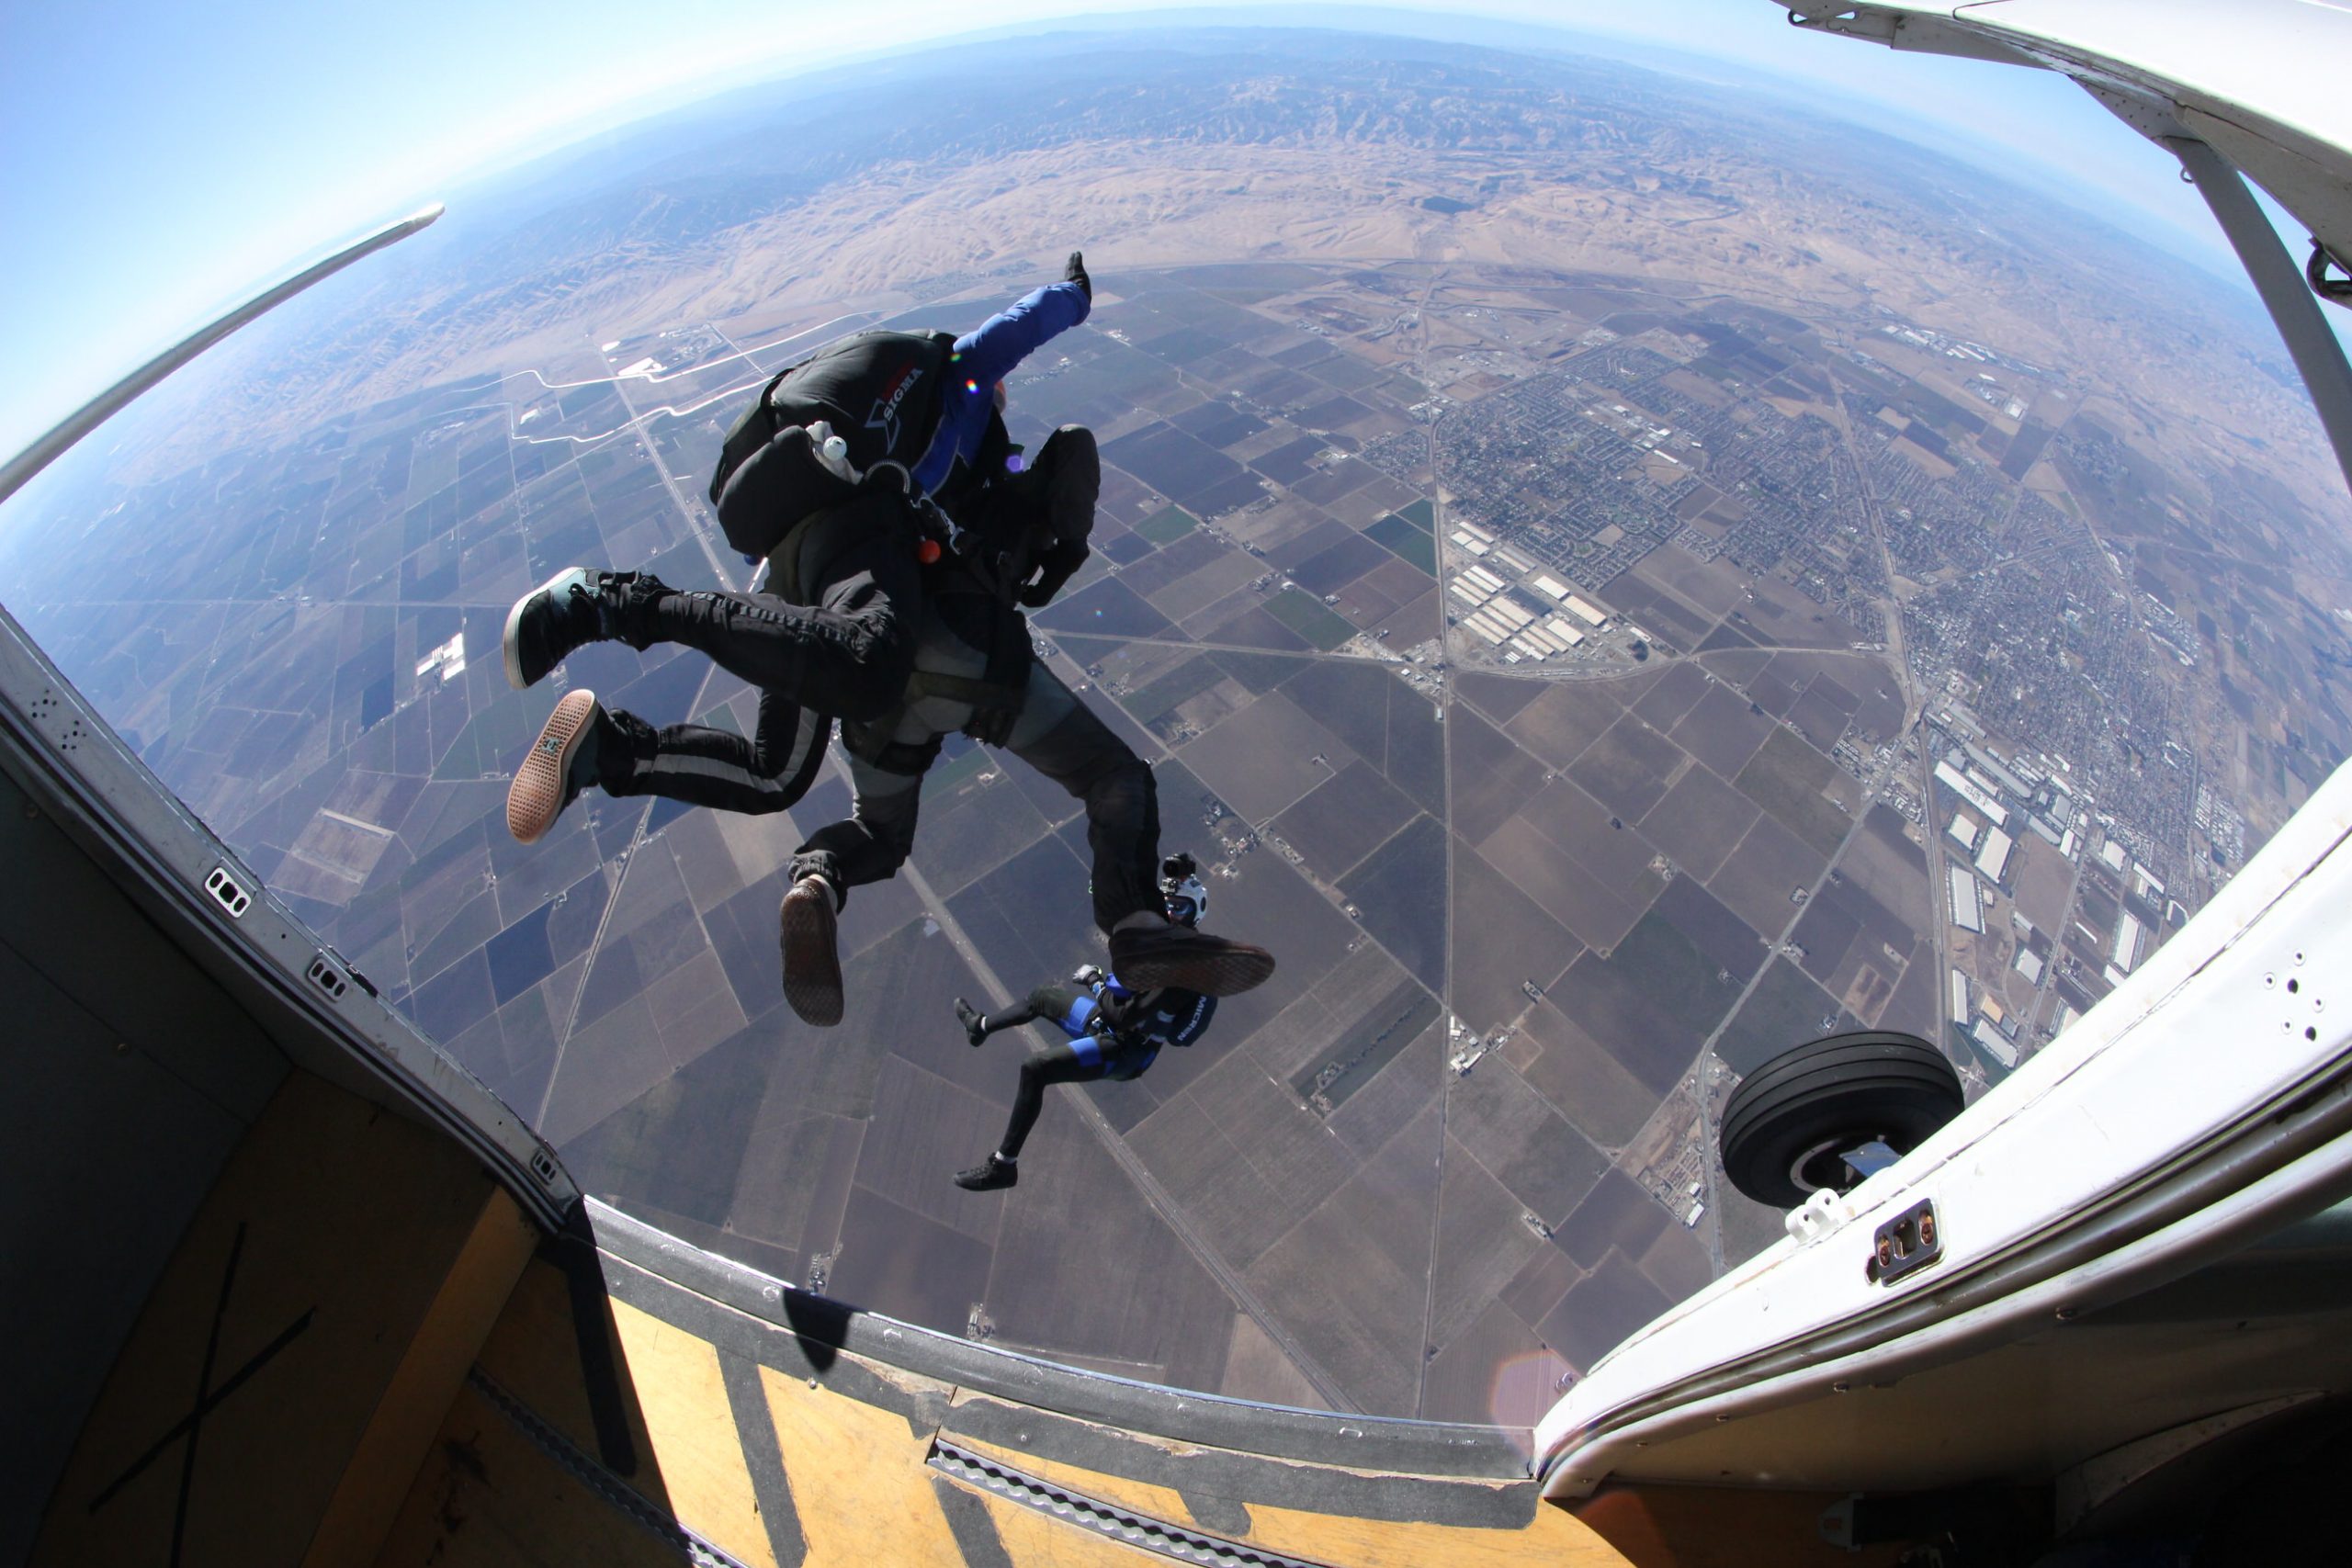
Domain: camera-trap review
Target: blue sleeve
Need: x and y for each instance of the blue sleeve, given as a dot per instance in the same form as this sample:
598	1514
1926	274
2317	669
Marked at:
988	355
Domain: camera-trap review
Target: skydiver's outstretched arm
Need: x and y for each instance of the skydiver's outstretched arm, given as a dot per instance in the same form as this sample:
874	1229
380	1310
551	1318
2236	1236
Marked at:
988	355
984	357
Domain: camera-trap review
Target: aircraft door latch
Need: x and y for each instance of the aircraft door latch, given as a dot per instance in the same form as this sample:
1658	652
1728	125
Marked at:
1911	1240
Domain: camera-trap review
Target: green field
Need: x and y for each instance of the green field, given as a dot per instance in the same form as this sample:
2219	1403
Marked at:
1162	528
1405	541
1422	515
1310	619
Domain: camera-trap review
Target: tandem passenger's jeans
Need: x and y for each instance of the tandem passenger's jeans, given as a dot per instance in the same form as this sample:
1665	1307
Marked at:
848	654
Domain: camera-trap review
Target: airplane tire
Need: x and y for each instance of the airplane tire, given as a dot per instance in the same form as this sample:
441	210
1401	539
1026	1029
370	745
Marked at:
1790	1119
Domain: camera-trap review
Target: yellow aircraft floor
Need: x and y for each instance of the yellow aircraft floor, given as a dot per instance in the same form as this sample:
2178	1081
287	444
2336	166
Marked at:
751	1444
364	1352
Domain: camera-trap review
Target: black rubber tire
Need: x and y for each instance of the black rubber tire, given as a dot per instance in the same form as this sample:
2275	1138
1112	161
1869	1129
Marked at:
1847	1087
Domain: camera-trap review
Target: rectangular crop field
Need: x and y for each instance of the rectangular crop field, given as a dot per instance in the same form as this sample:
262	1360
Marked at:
1406	542
1311	619
1168	523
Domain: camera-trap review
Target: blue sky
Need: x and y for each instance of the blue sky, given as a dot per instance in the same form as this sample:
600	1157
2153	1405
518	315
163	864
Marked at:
160	161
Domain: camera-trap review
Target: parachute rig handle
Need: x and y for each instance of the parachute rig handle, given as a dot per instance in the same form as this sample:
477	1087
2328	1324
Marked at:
831	453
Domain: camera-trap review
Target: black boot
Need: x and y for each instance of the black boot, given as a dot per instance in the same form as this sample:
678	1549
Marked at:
975	1022
577	605
1156	953
996	1173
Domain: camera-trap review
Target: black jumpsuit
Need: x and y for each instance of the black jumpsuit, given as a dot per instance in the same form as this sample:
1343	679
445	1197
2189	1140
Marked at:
871	627
848	652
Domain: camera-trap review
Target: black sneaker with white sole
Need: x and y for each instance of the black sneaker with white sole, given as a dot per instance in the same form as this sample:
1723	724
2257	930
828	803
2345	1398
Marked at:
576	606
994	1176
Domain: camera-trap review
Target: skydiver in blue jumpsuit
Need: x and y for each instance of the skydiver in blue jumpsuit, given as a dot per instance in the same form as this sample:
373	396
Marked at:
1113	1032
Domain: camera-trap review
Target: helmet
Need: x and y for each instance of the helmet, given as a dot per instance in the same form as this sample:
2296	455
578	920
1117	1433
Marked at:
1180	886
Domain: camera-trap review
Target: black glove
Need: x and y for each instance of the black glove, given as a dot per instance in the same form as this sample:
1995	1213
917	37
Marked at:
1076	273
1057	566
1120	1020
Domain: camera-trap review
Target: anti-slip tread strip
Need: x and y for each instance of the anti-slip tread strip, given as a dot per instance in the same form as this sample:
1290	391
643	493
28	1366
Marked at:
1181	1542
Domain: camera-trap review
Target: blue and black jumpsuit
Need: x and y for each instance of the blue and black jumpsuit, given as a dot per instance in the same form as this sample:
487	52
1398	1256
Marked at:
1113	1034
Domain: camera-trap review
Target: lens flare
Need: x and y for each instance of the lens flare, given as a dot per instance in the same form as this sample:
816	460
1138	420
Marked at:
1524	1387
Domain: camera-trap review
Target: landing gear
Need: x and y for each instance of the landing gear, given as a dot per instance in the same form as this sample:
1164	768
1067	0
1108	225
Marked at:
1829	1112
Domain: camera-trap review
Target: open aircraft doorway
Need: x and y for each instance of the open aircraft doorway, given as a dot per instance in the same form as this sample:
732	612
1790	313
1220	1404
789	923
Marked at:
1794	797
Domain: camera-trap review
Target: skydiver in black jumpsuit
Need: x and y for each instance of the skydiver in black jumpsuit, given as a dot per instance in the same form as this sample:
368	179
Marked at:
906	649
833	633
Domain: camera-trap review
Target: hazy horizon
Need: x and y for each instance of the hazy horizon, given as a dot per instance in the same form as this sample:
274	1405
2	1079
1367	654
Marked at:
250	210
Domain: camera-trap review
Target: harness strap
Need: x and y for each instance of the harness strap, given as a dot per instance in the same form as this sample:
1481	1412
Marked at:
990	624
922	521
898	757
980	694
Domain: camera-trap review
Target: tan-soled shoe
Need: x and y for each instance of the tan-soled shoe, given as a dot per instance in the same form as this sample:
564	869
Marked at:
561	765
808	926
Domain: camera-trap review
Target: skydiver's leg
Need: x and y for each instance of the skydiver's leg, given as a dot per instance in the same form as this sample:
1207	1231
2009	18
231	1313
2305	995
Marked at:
1078	1061
869	846
1046	1004
708	766
849	655
1060	736
873	841
847	652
